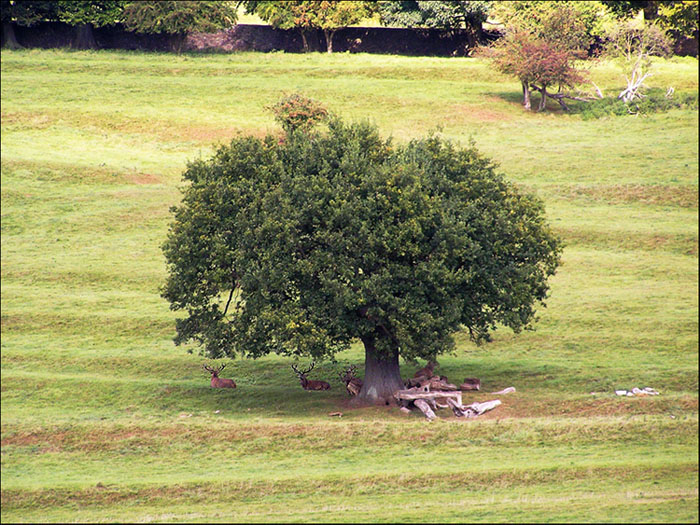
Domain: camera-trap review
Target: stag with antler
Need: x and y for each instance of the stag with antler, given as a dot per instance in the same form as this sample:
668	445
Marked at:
216	381
352	384
310	384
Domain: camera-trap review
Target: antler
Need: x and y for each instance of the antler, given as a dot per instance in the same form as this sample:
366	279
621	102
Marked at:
303	373
208	369
223	365
348	373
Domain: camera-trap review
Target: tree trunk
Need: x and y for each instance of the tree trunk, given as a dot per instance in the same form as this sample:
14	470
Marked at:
313	40
526	96
8	36
382	377
651	10
305	41
329	39
85	38
543	100
177	41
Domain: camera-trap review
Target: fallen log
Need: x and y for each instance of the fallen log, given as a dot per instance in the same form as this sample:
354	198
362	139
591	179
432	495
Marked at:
416	394
473	410
457	409
505	390
423	406
480	408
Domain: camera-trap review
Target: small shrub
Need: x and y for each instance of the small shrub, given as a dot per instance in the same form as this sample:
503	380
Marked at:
296	112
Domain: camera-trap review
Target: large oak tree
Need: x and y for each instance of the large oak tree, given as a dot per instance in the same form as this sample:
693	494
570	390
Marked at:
302	245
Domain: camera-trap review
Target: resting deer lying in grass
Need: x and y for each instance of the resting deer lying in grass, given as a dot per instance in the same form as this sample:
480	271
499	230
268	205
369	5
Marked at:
426	371
216	381
352	384
310	384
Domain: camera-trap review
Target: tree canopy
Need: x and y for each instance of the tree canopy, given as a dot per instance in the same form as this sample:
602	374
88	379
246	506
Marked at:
179	17
97	13
311	15
680	17
300	246
447	15
534	17
24	13
87	14
451	14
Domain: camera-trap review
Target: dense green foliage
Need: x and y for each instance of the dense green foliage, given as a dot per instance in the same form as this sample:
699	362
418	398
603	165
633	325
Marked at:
310	15
177	18
28	12
96	13
453	14
333	237
460	15
24	13
630	8
535	18
88	14
680	17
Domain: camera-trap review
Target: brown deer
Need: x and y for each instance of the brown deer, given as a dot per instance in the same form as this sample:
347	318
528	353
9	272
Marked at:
310	384
352	384
427	370
216	381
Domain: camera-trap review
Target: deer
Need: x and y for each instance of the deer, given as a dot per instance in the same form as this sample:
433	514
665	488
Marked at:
352	384
426	371
216	381
310	384
423	375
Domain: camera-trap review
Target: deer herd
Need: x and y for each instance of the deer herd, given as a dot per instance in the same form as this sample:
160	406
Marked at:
353	384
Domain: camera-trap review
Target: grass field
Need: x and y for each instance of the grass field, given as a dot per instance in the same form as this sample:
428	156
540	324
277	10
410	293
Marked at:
104	419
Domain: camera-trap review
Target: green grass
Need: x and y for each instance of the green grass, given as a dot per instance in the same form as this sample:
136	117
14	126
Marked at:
104	419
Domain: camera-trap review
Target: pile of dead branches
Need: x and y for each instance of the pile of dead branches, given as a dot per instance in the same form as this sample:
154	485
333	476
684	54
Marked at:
427	392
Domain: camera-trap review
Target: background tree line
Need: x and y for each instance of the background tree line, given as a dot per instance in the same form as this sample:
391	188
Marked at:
177	18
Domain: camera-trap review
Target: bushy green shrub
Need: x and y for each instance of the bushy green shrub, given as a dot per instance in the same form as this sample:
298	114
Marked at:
297	112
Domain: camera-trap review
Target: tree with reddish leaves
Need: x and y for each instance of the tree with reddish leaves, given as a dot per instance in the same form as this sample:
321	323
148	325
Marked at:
538	64
544	57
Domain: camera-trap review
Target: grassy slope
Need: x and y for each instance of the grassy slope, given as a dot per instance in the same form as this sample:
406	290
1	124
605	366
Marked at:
104	419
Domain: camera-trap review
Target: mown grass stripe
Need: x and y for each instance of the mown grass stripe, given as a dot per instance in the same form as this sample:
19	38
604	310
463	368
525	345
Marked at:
347	486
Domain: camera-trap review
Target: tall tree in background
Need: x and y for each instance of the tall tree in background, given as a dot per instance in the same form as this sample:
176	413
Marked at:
302	246
533	16
332	16
462	15
24	13
310	16
176	18
624	9
87	15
